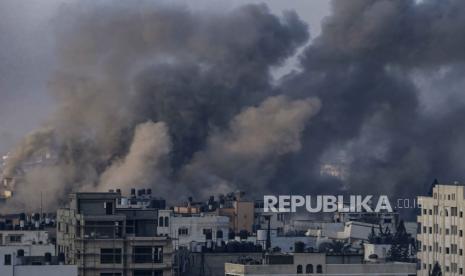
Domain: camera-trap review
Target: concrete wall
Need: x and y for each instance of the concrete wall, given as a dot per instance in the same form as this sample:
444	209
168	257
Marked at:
213	264
27	237
29	250
386	269
244	215
372	269
381	250
195	226
45	270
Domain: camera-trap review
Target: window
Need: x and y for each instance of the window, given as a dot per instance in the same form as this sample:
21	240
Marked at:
219	234
7	259
110	255
78	229
460	252
14	238
436	210
453	211
108	208
424	211
147	272
160	221
453	249
183	231
319	269
460	271
299	269
447	250
460	233
148	254
430	211
309	269
167	221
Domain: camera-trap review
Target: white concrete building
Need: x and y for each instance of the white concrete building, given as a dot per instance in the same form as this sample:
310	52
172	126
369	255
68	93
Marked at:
16	237
441	225
31	242
351	232
164	222
187	231
22	253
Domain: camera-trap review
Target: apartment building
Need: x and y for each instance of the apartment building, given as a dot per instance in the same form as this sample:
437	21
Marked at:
440	230
106	236
235	206
193	230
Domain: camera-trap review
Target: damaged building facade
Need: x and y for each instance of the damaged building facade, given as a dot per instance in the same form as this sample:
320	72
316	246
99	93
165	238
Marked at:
104	237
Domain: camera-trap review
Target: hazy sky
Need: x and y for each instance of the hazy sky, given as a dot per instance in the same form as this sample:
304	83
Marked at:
27	55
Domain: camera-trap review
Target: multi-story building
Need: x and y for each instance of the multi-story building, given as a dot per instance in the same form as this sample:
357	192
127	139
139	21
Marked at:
239	210
104	235
30	242
440	230
277	220
26	247
191	230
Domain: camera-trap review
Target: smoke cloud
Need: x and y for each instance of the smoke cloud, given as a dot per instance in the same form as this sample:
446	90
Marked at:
246	154
163	96
143	165
123	65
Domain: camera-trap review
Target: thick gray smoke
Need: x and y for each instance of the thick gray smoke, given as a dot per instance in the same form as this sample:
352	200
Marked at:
125	64
246	154
390	76
157	95
144	163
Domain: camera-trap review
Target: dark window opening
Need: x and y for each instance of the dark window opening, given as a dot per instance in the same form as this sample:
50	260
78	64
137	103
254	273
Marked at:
148	254
110	255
